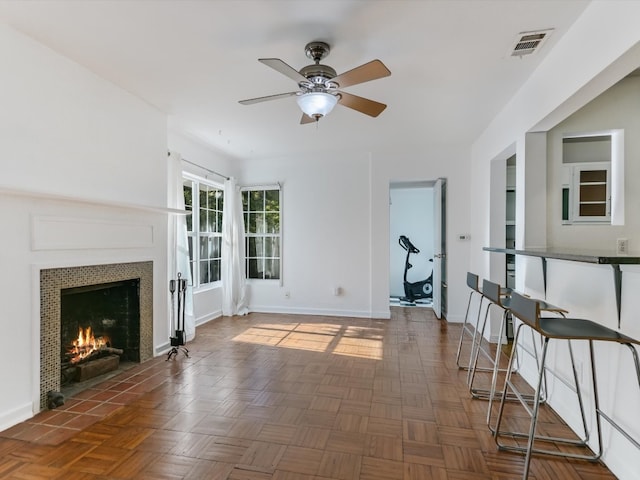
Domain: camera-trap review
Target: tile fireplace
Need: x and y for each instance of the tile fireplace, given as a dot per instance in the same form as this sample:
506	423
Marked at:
121	297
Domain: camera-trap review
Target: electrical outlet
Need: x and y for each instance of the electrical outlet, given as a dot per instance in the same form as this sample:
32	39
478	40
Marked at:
287	294
622	246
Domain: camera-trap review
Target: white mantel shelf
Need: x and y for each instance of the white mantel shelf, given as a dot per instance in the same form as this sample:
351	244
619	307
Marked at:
89	201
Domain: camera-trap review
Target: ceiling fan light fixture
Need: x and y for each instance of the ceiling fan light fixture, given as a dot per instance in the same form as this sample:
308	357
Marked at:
317	104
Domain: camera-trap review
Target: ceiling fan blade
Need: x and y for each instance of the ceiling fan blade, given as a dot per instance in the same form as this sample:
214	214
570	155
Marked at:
284	69
369	71
251	101
307	119
362	105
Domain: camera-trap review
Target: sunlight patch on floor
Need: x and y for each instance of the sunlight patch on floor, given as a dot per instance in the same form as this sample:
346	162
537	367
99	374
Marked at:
361	342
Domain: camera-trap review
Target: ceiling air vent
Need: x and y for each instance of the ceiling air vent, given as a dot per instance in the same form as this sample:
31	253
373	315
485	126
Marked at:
527	43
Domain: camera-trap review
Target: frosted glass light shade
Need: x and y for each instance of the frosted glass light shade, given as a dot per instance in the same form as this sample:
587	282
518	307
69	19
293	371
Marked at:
317	104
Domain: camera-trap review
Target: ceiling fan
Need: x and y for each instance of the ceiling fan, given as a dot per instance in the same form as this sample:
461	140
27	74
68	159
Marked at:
319	85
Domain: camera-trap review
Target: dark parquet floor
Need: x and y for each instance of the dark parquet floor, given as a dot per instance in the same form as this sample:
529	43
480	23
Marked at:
283	397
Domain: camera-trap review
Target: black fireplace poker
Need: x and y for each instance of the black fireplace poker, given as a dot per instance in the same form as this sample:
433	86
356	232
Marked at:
178	288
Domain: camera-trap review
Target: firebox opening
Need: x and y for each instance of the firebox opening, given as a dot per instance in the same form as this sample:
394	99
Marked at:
100	327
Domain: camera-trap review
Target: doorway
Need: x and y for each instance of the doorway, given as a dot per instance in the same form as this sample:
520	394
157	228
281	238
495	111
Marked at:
416	212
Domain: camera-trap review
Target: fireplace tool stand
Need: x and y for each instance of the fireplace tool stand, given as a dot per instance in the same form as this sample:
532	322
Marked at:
178	286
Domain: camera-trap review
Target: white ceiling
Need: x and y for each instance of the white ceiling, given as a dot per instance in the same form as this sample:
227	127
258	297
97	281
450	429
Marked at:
451	72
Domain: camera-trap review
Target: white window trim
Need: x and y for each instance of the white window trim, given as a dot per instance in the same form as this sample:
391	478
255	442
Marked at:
196	222
616	210
574	192
275	186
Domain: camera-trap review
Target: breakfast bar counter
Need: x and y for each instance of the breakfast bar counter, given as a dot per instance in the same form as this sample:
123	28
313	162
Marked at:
584	256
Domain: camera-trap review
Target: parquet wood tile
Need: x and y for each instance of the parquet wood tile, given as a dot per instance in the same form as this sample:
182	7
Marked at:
171	467
221	449
462	458
311	437
380	469
423	453
354	407
134	464
348	422
385	426
339	466
419	431
348	442
284	475
388	448
240	473
285	397
301	460
414	471
210	471
262	456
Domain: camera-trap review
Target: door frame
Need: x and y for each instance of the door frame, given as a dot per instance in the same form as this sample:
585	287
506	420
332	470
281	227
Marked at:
440	249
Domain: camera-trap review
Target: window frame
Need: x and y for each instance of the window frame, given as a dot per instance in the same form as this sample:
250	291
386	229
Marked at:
196	234
248	235
573	195
613	161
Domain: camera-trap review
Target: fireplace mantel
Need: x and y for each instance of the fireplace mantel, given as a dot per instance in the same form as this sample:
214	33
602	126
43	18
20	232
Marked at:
88	201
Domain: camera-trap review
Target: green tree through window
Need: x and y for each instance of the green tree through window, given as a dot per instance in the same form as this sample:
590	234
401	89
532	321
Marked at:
261	209
204	230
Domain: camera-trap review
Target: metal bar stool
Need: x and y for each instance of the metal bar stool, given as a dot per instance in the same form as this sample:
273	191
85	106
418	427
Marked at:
499	297
469	329
472	283
492	292
527	310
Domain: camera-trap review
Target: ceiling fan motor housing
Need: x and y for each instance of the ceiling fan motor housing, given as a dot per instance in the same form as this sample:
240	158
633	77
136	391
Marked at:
318	74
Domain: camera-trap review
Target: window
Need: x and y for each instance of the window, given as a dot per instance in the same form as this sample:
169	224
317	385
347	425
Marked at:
204	229
261	207
587	195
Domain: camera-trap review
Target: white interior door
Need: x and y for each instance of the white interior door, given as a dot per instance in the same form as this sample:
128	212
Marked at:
439	250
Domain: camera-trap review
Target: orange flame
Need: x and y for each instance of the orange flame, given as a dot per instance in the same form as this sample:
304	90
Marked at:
86	344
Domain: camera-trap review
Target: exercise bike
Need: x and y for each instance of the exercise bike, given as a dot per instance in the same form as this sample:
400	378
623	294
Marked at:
419	290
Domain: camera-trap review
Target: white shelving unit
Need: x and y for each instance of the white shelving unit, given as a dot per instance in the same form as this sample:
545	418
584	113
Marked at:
510	224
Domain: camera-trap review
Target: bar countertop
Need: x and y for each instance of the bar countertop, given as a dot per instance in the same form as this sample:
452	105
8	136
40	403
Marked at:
587	256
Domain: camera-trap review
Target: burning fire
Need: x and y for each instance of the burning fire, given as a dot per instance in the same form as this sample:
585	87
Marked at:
86	344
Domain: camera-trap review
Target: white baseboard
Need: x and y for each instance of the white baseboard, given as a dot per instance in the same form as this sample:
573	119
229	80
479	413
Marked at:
455	318
17	415
319	311
162	349
207	318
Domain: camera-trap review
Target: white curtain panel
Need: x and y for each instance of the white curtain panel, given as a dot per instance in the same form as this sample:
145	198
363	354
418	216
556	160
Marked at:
179	247
234	282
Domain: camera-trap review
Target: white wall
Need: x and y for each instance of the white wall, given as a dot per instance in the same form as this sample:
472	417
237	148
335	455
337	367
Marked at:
617	108
410	214
325	234
68	135
69	132
336	225
576	71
